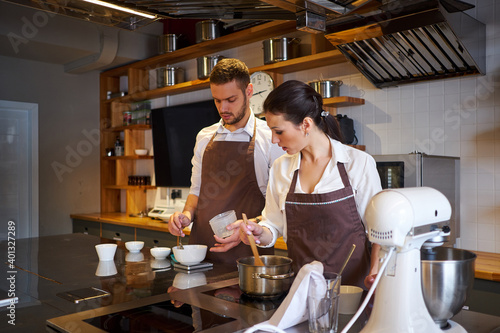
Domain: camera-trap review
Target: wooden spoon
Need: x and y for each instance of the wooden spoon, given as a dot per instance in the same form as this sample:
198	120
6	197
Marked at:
257	261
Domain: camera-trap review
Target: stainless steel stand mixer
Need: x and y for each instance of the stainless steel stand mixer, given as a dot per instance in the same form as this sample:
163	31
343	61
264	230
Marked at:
403	221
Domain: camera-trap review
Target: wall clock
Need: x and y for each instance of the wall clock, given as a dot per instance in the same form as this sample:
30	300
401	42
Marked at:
262	83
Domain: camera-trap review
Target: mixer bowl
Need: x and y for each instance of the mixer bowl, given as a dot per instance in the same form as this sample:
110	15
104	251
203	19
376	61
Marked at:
447	278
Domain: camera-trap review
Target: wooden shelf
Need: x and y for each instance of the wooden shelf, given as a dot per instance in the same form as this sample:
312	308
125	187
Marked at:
176	89
282	67
303	63
130	187
240	38
128	127
343	101
116	169
131	157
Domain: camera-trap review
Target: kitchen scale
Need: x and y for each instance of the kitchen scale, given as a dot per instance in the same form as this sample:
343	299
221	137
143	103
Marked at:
164	205
202	266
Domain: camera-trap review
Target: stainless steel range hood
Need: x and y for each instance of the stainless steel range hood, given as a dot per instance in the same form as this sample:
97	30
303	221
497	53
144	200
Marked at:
410	41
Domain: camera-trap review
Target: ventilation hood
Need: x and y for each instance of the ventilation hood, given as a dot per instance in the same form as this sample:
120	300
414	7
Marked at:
409	41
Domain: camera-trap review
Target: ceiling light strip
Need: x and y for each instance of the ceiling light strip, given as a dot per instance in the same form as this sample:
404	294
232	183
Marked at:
123	9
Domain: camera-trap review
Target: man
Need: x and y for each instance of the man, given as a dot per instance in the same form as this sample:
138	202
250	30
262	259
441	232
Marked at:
231	164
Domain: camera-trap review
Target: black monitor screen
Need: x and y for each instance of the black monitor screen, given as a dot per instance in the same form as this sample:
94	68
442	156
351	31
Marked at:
174	136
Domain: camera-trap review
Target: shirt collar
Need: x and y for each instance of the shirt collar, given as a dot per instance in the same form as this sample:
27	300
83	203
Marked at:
339	154
247	129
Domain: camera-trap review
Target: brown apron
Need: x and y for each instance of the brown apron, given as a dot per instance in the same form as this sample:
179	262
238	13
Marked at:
228	182
323	227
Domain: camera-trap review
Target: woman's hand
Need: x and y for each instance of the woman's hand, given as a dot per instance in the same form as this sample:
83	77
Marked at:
252	228
369	280
225	244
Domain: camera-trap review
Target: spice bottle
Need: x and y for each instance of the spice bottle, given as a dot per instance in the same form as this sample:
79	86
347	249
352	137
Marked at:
118	147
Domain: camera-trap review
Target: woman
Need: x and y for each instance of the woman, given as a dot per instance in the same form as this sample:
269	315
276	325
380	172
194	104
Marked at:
318	191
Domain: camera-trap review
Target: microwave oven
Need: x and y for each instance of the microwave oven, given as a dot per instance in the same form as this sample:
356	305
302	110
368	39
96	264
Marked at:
419	169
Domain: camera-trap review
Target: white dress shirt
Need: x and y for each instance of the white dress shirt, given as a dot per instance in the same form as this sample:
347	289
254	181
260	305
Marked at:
264	156
361	170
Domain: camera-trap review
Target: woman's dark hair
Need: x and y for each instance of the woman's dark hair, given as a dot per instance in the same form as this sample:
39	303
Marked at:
296	100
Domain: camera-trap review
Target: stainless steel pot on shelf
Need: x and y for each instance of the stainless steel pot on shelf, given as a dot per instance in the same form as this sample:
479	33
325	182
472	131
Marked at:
206	64
271	280
167	43
207	30
168	76
280	49
326	88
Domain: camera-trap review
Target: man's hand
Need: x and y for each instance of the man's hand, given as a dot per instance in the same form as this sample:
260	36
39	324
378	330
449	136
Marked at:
176	303
225	244
177	222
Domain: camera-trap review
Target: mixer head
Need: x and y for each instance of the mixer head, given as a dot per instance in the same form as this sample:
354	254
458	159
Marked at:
396	217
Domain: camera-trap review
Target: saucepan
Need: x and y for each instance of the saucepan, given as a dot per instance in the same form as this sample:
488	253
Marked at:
326	88
168	76
206	64
167	43
271	280
207	30
280	49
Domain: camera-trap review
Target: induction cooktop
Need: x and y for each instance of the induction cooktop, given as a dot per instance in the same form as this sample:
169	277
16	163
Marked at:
215	307
159	317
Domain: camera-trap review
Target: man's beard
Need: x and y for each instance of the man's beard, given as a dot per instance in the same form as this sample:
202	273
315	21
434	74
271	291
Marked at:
239	115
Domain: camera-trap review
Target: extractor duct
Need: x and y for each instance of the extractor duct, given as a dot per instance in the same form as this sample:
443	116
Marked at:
410	41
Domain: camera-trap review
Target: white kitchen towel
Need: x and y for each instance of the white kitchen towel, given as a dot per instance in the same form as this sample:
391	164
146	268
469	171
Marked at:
293	309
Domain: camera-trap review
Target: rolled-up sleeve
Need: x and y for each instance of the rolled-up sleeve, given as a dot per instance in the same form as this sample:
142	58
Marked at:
274	217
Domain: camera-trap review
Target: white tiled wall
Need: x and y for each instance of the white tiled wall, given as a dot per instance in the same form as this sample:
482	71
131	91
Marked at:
453	117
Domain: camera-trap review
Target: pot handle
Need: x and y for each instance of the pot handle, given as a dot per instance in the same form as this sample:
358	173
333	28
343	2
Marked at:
273	277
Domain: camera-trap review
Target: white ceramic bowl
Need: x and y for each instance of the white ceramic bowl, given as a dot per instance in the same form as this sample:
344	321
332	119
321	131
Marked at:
350	296
191	280
160	263
106	251
134	256
191	254
141	152
160	252
134	246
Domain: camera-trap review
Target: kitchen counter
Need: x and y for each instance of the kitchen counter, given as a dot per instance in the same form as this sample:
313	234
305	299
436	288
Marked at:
47	266
487	264
147	223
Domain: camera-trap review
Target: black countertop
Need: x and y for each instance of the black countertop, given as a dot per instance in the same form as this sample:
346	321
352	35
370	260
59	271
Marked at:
46	266
50	265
